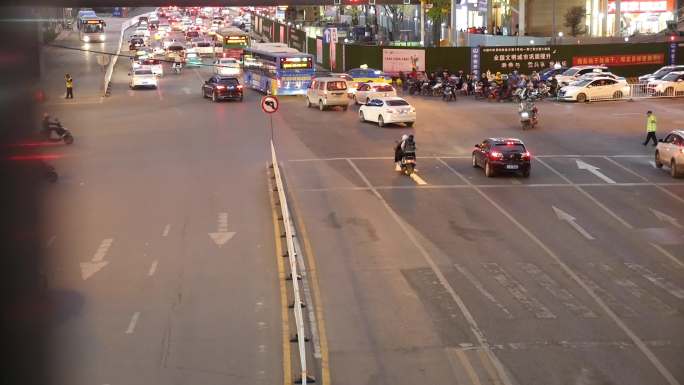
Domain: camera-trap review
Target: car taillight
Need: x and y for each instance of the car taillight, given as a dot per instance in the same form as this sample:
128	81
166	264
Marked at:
526	155
495	155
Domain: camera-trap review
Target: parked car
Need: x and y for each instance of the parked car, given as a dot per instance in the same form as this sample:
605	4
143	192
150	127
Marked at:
327	92
573	73
388	110
592	75
548	73
671	84
659	74
600	88
670	152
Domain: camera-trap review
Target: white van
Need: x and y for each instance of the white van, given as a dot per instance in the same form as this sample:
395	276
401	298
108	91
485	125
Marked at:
327	92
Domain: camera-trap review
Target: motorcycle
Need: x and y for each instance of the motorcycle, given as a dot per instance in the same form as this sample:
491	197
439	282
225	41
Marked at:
449	92
63	134
528	113
177	68
408	163
414	86
438	89
518	94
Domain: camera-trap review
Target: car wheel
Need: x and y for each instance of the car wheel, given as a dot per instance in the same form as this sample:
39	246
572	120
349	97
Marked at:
308	102
474	161
581	98
381	121
320	105
674	170
356	101
361	117
409	124
213	97
489	171
204	93
367	100
657	161
526	173
617	95
344	108
669	91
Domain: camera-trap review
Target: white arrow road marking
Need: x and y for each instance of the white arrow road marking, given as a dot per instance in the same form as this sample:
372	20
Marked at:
134	321
594	170
563	216
88	269
666	218
153	268
222	235
166	230
417	179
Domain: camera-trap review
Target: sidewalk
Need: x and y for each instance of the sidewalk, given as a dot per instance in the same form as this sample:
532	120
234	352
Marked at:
67	54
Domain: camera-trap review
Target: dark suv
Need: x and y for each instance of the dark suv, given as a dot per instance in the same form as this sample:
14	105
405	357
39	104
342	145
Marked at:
502	155
222	87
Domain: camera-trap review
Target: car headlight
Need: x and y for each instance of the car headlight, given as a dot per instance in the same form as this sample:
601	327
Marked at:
86	38
102	37
525	115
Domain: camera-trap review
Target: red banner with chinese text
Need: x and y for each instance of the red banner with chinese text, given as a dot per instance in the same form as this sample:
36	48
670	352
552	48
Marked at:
620	60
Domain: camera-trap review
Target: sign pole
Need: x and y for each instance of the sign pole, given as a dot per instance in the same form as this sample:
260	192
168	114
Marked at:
270	118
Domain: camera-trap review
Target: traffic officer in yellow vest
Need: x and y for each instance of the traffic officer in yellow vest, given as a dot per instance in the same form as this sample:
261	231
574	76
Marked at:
69	86
651	122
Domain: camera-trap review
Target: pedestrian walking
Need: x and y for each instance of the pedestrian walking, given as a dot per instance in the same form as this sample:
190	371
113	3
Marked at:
651	122
69	86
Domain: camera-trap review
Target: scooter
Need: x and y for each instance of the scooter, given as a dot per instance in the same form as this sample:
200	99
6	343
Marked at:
528	114
408	163
63	134
449	92
177	68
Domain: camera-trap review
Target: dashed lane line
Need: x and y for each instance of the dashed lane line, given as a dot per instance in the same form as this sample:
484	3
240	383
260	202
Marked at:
153	268
470	319
416	178
645	350
133	322
666	253
167	228
666	191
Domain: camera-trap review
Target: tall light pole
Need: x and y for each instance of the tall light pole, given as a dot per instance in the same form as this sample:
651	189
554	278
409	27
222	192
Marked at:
553	20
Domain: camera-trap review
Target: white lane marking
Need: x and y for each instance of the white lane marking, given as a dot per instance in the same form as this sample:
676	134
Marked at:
465	363
518	291
474	327
167	228
222	222
134	321
646	351
666	218
464	157
417	179
153	268
563	295
186	90
658	186
637	292
514	181
50	241
666	253
222	235
594	170
586	194
563	216
657	280
652	163
610	299
102	250
480	287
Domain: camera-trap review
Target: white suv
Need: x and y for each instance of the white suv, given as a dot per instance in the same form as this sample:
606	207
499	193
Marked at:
573	73
670	151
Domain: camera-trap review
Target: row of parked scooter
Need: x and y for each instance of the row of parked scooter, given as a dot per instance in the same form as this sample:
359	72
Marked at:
448	89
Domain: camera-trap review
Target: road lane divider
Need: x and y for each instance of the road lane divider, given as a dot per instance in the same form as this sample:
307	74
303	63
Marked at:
133	322
416	178
297	273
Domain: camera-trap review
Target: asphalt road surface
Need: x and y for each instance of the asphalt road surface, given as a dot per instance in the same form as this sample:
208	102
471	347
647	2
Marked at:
574	275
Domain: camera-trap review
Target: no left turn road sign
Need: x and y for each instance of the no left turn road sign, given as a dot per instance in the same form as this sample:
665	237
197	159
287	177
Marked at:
269	104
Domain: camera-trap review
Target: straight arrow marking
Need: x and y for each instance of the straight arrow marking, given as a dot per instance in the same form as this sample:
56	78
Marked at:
97	263
666	218
594	170
563	216
222	235
102	250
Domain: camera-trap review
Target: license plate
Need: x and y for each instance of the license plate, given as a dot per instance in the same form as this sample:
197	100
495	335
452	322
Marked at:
511	166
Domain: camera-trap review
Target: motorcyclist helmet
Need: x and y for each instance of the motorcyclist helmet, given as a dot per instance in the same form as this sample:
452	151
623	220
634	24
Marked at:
404	137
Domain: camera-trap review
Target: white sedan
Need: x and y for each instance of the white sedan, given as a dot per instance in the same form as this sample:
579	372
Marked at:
592	75
671	84
388	110
594	89
368	91
143	77
227	66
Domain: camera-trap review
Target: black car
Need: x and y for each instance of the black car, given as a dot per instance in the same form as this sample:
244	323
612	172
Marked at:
222	87
502	155
136	43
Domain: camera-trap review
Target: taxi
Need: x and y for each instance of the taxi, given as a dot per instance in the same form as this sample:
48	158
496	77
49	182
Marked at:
364	74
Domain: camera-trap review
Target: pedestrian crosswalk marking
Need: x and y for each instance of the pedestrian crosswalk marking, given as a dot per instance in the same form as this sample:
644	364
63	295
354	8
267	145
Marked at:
518	291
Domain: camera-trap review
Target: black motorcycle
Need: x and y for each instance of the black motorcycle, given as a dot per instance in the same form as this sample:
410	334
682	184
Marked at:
449	92
63	133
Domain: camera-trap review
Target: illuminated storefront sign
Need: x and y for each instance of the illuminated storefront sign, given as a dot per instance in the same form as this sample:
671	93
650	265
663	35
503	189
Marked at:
641	6
620	60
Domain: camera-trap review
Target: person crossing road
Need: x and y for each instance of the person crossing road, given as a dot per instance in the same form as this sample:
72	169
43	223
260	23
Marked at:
69	86
651	123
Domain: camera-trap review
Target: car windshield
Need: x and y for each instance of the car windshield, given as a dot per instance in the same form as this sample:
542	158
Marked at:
671	77
571	72
143	72
582	83
509	147
337	86
397	102
204	44
662	72
229	62
228	81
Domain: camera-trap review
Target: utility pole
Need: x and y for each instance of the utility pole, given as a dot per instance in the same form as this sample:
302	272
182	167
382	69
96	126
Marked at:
553	20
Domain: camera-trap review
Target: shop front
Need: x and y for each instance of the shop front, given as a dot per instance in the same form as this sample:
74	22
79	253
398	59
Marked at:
640	16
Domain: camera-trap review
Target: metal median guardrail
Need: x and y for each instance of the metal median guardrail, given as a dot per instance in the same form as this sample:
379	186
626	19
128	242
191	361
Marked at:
292	254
